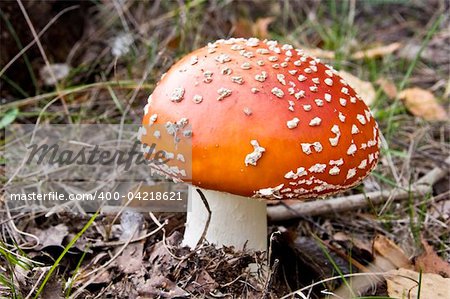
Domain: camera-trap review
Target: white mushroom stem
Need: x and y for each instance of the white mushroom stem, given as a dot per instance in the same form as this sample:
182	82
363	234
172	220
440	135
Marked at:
235	220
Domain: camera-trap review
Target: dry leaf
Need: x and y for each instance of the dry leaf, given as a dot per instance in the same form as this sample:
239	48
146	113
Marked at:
390	251
404	283
161	287
441	209
377	51
130	260
204	283
388	87
435	52
430	262
246	28
359	246
103	277
318	53
363	88
422	103
53	235
243	28
388	256
447	90
174	42
53	289
261	27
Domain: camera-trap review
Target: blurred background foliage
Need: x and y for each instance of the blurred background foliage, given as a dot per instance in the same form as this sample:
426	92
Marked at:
105	54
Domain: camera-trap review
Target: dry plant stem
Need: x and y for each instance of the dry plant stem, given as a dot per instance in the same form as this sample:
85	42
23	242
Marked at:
235	220
44	55
208	220
118	243
98	271
357	201
270	278
44	271
308	287
15	233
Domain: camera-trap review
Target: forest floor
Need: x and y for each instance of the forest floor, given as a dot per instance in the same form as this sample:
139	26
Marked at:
97	62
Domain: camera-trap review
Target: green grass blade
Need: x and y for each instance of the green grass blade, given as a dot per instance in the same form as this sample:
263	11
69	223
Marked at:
402	84
58	260
8	117
333	263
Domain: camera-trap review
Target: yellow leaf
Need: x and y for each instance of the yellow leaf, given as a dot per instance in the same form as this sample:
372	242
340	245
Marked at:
403	283
315	52
363	88
422	103
389	250
387	256
377	51
388	87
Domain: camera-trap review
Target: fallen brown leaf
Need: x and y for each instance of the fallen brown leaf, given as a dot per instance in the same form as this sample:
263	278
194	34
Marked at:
404	283
377	51
361	249
161	287
130	260
261	27
441	210
243	28
53	289
447	90
390	251
205	283
103	277
388	256
388	87
53	235
246	28
365	89
174	42
318	53
430	262
435	51
422	103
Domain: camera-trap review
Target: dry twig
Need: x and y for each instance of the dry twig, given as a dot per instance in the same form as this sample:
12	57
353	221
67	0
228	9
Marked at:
205	229
357	201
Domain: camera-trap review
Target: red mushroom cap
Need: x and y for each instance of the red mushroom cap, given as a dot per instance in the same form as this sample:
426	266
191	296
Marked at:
267	120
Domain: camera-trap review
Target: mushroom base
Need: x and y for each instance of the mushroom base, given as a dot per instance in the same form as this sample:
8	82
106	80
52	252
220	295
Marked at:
235	220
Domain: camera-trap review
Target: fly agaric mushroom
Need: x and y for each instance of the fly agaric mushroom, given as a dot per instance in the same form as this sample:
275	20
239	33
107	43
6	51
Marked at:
268	122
